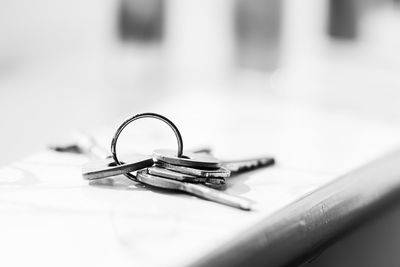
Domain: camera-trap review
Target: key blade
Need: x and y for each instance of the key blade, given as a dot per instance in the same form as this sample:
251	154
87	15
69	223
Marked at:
217	196
250	164
194	189
106	168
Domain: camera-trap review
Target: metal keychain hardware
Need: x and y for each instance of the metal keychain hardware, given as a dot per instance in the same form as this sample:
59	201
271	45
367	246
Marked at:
141	116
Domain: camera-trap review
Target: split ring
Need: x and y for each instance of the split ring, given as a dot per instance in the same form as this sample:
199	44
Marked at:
141	116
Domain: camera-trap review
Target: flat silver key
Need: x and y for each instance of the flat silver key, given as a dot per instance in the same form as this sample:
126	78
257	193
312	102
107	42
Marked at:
227	168
194	189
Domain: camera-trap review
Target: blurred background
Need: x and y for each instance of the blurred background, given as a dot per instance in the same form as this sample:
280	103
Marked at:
87	64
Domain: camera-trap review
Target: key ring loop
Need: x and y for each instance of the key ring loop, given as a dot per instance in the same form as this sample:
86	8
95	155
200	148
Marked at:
141	116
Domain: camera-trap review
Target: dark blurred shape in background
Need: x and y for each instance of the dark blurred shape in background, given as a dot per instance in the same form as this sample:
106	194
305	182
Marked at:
141	20
343	18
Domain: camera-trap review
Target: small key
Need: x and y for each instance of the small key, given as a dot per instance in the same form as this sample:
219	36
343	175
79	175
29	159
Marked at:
189	159
194	189
227	167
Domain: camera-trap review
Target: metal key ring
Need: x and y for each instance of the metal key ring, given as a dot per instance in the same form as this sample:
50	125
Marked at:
141	116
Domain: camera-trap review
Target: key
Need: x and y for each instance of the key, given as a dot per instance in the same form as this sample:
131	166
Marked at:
227	167
193	160
206	162
194	189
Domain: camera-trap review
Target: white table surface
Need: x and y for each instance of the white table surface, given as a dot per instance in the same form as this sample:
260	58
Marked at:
51	216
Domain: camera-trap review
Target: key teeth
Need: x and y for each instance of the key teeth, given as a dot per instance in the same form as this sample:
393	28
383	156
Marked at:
250	164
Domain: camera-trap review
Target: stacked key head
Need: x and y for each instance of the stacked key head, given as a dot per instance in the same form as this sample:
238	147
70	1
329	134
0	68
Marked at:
193	167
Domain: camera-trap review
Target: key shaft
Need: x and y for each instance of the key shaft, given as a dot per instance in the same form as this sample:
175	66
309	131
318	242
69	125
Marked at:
217	196
194	189
239	166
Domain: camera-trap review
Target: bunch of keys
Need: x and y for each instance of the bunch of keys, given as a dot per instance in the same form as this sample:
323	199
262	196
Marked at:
195	172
